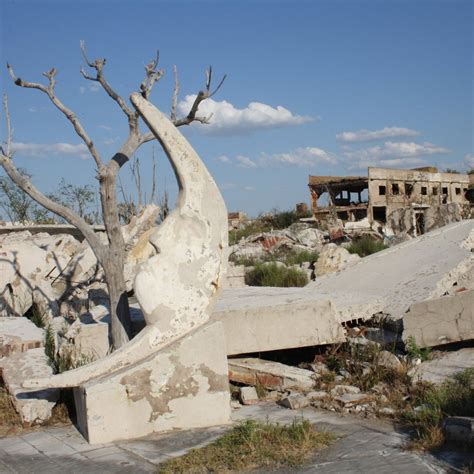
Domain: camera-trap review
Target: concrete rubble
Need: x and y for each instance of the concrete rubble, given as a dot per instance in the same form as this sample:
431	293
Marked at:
271	375
19	334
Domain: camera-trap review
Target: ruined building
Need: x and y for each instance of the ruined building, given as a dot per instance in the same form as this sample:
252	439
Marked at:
400	198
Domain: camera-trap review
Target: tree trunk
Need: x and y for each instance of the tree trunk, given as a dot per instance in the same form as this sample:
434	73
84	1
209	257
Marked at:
120	322
114	265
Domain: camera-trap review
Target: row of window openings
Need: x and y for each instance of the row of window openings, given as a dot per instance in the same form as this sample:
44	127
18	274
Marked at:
409	190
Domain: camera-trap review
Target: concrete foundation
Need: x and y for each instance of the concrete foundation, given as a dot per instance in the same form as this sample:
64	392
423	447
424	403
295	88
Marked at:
184	385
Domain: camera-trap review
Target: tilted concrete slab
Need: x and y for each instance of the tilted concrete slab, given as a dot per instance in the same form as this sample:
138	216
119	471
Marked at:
389	281
184	385
441	320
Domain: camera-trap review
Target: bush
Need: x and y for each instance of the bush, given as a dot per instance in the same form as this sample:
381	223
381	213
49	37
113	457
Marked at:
275	275
366	246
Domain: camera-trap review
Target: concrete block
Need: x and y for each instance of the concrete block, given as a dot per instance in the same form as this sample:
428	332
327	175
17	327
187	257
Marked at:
19	334
248	395
34	406
266	325
441	320
184	385
272	375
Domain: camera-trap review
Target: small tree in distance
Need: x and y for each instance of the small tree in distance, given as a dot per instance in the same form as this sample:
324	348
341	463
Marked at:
111	255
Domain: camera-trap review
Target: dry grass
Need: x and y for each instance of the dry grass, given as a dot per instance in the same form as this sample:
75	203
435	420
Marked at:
253	445
10	421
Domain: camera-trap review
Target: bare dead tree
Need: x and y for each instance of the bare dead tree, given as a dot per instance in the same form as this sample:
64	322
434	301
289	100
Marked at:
110	255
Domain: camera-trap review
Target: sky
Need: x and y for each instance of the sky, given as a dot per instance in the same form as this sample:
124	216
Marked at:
312	88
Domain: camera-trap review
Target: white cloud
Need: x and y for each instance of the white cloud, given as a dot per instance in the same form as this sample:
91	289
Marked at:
82	89
33	109
469	160
227	119
223	159
249	188
225	186
94	87
245	162
373	135
308	156
45	149
105	127
393	154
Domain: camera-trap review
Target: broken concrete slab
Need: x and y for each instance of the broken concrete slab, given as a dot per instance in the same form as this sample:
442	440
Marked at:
444	366
19	334
34	406
441	320
387	282
271	375
257	324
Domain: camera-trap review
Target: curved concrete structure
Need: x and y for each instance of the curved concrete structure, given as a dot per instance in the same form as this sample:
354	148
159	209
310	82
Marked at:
176	289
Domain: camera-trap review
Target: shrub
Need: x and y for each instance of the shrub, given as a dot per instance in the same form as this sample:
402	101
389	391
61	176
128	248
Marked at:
275	275
366	246
416	352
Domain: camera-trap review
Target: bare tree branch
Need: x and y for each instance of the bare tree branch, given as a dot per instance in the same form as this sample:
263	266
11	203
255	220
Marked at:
70	115
152	75
201	96
98	65
174	103
7	150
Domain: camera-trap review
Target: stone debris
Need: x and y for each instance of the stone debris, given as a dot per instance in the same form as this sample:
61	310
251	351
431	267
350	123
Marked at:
334	258
19	334
349	400
33	406
344	389
459	429
271	375
443	366
389	360
248	396
295	401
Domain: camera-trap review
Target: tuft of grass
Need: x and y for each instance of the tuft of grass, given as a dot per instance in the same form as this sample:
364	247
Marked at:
253	445
298	257
366	246
36	316
288	257
414	351
274	275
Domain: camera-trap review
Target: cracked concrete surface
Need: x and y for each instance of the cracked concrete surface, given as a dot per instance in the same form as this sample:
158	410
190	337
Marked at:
364	446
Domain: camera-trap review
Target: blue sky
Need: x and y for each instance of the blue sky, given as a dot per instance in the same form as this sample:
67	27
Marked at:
313	87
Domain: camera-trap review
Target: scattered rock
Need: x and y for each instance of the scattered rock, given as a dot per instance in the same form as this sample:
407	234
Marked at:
333	258
389	360
248	395
343	389
387	411
294	402
352	399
